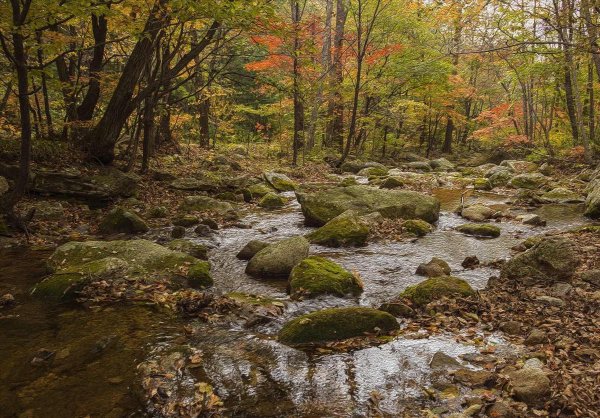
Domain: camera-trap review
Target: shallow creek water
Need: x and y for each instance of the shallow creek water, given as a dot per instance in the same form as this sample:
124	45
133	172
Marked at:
93	369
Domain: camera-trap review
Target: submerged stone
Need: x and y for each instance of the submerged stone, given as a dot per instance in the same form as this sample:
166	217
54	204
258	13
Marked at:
278	259
336	324
320	207
347	229
435	288
250	249
317	275
480	230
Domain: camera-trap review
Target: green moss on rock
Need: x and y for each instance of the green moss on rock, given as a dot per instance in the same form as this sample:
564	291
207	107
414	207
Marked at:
417	227
482	184
317	275
258	190
392	183
271	201
321	207
278	259
279	182
186	221
435	288
480	230
75	264
344	230
194	249
199	275
336	324
118	220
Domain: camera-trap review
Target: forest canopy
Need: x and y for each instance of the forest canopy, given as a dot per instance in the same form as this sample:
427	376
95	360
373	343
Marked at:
124	79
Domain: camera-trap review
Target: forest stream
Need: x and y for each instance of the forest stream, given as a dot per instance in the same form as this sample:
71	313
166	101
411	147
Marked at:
95	353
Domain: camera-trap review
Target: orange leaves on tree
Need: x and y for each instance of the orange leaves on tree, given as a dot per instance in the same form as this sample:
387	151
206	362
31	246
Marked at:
384	52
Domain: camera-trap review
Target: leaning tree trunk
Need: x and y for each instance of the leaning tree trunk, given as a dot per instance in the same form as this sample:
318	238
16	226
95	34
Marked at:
101	140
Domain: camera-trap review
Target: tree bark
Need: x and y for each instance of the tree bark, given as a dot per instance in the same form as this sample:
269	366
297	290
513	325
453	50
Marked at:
335	112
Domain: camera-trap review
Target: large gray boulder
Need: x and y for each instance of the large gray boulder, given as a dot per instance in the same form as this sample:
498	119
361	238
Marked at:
321	207
553	258
592	202
109	183
531	181
278	259
279	182
345	230
562	195
76	264
519	167
194	184
206	204
121	221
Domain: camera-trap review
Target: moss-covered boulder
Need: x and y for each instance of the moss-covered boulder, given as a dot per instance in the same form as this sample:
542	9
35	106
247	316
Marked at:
194	184
435	288
336	324
352	166
250	249
194	249
373	171
206	204
419	166
436	267
75	264
321	207
481	183
562	195
278	259
258	190
347	229
531	181
441	164
118	220
186	221
157	212
392	183
279	182
271	201
348	181
199	276
417	227
519	166
499	176
315	276
552	258
480	230
477	212
592	202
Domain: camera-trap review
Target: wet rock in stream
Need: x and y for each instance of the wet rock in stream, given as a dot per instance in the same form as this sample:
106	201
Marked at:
278	259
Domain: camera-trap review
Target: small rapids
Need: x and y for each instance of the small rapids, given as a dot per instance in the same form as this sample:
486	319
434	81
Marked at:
96	351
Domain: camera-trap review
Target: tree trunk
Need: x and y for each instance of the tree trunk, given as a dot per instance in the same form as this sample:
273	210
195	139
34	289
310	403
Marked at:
335	131
19	14
100	141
